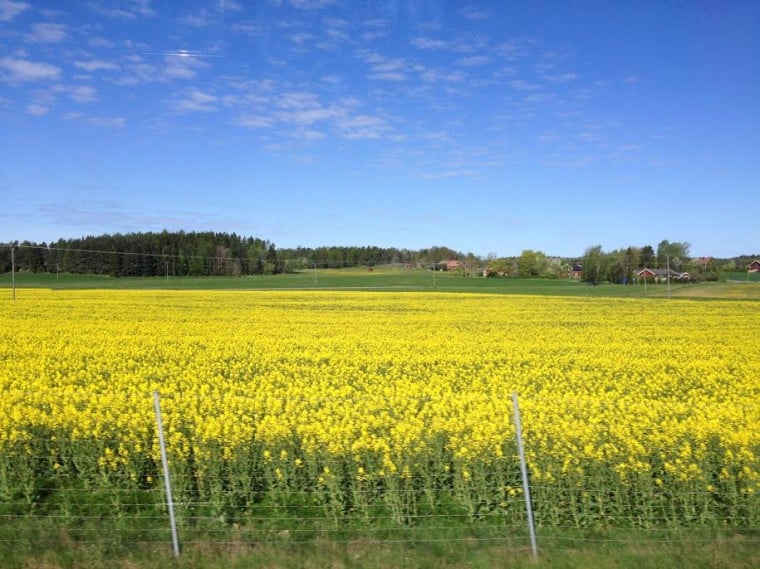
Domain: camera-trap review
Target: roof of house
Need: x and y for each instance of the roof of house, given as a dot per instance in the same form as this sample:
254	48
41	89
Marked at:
660	272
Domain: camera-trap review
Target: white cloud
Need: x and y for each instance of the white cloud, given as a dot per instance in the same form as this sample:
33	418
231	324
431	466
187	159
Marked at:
139	70
47	33
559	77
100	42
364	127
197	20
95	65
37	110
255	121
473	61
428	43
386	68
78	93
513	49
17	70
107	122
522	85
248	28
305	108
83	94
374	29
306	4
230	5
99	121
539	98
475	14
10	9
300	38
123	9
308	134
193	99
181	67
434	76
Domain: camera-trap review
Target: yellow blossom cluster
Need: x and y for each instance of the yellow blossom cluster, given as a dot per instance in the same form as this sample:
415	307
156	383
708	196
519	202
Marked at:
627	405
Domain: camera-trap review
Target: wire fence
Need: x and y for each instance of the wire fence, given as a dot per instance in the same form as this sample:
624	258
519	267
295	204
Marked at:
58	487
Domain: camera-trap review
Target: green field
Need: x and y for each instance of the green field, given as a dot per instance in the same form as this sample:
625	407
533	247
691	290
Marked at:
390	279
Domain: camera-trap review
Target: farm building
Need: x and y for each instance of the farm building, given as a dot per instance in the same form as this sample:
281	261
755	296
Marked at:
661	275
754	266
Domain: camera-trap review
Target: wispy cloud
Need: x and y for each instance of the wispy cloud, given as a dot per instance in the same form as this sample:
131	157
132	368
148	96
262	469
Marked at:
303	4
47	33
82	93
374	29
138	69
252	29
364	127
447	173
387	68
123	9
474	14
560	77
230	6
37	110
98	41
15	70
199	19
95	215
304	116
429	43
10	9
255	121
96	120
467	43
514	49
182	67
473	61
549	72
95	65
523	85
563	161
192	99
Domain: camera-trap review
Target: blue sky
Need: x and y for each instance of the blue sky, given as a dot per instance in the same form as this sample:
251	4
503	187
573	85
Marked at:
488	127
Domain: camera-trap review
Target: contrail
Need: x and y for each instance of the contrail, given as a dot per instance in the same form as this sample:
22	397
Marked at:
183	53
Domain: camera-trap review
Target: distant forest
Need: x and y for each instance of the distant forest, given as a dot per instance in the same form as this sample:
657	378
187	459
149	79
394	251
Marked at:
199	254
228	254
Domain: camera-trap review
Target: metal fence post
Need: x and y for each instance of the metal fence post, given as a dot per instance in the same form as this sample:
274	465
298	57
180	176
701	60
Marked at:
167	482
524	471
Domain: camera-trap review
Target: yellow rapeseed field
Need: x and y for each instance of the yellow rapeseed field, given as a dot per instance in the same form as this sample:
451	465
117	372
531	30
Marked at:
635	412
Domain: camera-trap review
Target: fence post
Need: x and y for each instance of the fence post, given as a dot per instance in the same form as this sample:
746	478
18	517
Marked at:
167	482
524	471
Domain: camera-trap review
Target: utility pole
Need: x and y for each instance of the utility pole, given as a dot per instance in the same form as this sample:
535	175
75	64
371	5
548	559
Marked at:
13	270
667	257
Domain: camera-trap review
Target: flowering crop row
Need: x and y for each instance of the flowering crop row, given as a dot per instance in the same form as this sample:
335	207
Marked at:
635	412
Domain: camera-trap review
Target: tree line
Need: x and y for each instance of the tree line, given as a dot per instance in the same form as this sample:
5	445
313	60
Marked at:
198	254
228	254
